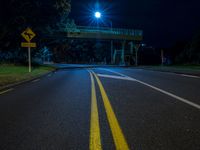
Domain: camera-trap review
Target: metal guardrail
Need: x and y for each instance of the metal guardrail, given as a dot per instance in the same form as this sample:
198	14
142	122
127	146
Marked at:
115	31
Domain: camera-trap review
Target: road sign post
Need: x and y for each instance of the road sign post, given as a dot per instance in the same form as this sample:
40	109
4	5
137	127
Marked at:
29	58
28	35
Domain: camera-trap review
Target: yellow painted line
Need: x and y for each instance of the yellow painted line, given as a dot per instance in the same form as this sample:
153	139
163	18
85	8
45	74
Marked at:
95	138
3	92
118	136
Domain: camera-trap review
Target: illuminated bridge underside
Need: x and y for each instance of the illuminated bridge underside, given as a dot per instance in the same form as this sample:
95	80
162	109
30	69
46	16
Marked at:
103	33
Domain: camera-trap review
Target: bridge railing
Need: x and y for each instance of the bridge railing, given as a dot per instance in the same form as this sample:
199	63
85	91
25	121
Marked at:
115	31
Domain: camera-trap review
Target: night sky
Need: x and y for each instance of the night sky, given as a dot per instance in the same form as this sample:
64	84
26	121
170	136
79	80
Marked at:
163	21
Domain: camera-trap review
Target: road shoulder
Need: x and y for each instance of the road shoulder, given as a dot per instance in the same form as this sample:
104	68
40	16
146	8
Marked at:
172	69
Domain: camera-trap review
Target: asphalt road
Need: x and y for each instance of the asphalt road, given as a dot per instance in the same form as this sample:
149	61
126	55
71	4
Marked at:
102	108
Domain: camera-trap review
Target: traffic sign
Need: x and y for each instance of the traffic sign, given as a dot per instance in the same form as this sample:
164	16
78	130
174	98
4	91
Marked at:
23	44
28	34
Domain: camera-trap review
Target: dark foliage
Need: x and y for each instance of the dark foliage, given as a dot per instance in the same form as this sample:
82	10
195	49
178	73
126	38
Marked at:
191	53
81	51
16	15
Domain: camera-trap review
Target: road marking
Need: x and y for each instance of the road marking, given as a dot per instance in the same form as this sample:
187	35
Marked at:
115	72
190	76
171	73
6	91
162	91
118	136
36	80
114	77
95	138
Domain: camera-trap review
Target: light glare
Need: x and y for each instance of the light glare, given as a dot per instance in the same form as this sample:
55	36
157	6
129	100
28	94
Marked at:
97	14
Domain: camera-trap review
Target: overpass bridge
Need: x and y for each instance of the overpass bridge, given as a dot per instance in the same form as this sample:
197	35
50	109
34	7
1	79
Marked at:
105	33
132	37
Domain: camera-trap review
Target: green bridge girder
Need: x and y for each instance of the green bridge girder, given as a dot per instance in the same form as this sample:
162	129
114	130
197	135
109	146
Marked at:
83	32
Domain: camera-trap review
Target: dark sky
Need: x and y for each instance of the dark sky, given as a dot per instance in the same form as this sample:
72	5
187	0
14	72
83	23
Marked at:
163	21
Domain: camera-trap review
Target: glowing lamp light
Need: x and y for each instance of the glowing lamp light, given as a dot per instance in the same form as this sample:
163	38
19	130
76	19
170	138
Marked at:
97	15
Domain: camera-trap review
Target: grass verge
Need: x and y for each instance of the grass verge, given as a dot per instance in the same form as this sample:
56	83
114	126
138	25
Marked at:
11	73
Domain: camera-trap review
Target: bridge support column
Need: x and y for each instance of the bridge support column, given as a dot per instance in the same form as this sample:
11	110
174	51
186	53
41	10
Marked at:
123	52
114	56
137	46
111	52
136	57
131	47
134	51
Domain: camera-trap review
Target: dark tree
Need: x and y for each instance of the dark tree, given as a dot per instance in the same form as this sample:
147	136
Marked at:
41	15
191	52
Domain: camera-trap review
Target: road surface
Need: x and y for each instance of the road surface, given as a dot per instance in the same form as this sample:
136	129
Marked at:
102	108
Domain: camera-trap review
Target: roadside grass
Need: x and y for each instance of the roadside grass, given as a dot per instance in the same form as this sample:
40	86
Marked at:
13	73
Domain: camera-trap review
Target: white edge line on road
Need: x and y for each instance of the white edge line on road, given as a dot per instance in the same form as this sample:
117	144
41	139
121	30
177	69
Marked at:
190	76
115	77
160	90
171	73
114	72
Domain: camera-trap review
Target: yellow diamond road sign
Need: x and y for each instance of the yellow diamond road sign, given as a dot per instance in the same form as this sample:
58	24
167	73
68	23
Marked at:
28	34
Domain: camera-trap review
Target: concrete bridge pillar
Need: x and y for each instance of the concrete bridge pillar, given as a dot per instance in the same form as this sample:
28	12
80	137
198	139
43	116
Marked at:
137	46
123	52
134	51
111	52
131	47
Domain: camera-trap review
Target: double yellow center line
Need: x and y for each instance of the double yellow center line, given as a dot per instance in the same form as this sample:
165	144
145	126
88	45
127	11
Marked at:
95	138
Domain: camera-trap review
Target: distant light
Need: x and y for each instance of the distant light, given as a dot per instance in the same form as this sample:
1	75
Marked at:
143	45
97	15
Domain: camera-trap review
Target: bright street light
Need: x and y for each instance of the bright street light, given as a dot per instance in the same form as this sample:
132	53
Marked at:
97	15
